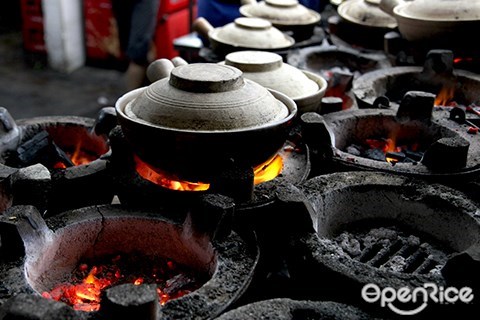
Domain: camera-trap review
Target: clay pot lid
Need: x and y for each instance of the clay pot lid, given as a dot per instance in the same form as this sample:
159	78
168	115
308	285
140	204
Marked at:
268	69
251	32
367	13
206	97
444	10
281	12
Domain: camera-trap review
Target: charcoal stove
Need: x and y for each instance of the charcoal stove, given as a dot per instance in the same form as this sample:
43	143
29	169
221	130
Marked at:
39	253
134	188
402	52
449	153
28	144
339	65
388	230
326	56
437	76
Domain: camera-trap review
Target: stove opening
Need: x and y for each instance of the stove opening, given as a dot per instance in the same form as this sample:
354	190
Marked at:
437	76
58	147
388	140
77	262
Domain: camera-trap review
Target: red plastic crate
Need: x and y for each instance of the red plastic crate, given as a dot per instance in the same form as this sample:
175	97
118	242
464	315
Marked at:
101	35
31	8
170	6
170	27
32	26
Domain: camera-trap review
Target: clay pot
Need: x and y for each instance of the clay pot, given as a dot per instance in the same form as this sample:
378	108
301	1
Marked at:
449	23
366	13
202	118
286	15
244	33
268	69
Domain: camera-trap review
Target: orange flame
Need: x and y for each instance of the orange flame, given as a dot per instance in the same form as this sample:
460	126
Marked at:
263	172
445	96
268	170
78	157
164	180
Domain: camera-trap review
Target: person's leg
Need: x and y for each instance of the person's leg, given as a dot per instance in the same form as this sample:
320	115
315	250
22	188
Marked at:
122	11
144	21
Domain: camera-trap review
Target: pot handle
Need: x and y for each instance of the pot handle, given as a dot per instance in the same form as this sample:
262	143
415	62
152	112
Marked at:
202	26
159	69
178	61
388	5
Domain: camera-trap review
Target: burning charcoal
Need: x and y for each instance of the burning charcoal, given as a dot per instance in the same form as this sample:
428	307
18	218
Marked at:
62	156
40	149
374	154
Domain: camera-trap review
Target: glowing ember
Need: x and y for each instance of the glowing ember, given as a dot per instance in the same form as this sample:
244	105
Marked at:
461	60
85	287
385	145
388	150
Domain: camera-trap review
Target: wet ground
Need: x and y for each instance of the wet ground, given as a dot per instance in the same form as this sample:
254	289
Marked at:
29	88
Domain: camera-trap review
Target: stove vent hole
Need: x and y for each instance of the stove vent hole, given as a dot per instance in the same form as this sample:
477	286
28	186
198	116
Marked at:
392	249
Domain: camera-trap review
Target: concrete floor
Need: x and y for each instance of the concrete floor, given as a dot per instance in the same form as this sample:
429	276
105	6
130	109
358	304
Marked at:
29	88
